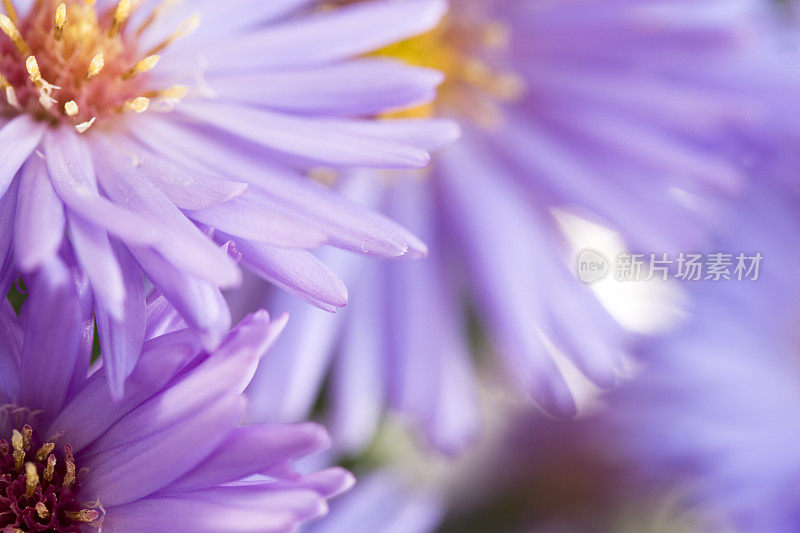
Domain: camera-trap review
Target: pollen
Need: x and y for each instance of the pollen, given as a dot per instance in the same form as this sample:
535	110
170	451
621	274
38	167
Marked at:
96	65
79	62
71	108
61	17
10	29
33	70
40	488
140	104
146	64
466	51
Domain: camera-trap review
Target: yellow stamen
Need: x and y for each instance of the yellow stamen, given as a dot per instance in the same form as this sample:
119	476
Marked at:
42	511
176	92
27	433
61	19
96	65
84	515
16	440
139	105
45	90
31	479
69	475
19	449
121	13
49	468
33	70
47	448
148	63
8	27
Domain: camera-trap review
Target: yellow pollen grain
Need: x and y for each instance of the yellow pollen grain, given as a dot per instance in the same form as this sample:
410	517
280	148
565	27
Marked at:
31	479
16	441
33	69
42	511
96	65
61	16
71	109
139	105
148	63
8	27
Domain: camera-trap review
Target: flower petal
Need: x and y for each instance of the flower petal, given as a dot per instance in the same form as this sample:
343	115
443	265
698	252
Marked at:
52	336
146	463
19	138
121	340
39	230
71	171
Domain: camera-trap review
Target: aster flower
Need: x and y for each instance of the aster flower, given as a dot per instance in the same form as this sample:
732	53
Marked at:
154	132
169	455
713	417
629	114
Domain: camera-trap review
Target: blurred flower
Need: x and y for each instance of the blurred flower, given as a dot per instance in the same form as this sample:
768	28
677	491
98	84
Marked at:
170	455
159	125
630	114
381	503
715	412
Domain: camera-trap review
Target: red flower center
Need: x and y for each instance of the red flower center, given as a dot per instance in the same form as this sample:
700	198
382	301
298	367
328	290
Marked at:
67	62
38	489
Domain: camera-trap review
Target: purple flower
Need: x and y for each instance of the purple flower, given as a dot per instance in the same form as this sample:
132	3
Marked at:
164	130
629	114
714	413
169	455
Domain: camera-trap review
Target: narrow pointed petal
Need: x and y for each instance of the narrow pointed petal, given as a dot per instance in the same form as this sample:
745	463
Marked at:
121	340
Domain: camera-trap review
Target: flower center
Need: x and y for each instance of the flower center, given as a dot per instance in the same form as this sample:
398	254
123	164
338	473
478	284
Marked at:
38	491
67	62
465	47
